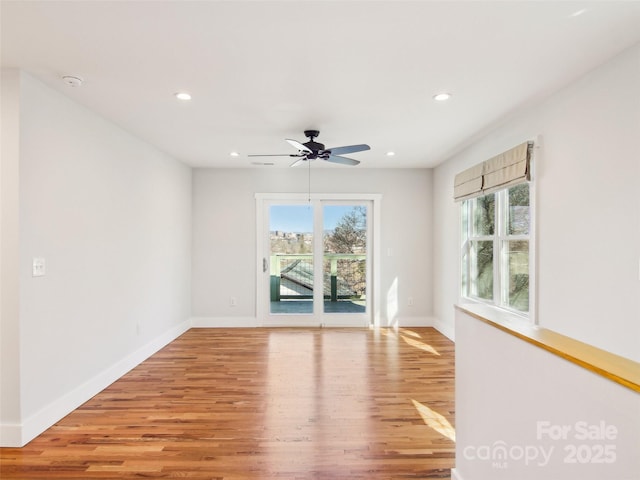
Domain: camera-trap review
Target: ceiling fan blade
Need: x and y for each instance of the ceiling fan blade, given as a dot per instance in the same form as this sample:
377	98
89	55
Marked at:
273	155
298	162
341	160
298	145
349	149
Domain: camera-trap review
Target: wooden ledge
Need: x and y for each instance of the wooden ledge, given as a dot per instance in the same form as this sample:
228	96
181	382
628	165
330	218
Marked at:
619	369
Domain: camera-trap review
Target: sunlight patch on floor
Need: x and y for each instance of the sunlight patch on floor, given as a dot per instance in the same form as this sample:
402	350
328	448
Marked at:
418	344
435	420
410	333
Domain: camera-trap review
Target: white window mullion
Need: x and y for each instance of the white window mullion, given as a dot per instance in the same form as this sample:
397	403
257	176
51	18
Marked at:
497	250
465	249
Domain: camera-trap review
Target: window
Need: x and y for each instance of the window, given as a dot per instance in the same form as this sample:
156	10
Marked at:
496	247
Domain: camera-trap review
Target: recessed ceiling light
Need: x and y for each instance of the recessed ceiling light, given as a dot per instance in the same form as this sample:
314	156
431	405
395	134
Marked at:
183	96
390	154
441	97
234	154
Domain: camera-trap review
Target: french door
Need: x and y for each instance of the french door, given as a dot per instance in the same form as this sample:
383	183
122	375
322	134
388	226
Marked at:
315	260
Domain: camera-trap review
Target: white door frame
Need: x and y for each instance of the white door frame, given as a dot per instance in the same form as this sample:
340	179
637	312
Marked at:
263	316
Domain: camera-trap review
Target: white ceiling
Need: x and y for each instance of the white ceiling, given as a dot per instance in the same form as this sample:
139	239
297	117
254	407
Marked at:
358	71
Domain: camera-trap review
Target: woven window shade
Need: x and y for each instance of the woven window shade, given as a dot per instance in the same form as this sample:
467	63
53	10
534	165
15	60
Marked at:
508	168
468	184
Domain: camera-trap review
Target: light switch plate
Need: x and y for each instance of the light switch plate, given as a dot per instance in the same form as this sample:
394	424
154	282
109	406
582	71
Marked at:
38	267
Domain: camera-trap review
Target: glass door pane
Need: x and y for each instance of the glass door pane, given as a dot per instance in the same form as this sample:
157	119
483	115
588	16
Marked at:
291	259
345	258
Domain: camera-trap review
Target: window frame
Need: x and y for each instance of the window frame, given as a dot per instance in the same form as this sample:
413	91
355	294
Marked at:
500	237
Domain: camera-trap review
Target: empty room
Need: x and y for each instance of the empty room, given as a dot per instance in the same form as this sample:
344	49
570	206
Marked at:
320	240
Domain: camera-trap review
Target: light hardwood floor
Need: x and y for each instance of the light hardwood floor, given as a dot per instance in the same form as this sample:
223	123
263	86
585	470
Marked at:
263	404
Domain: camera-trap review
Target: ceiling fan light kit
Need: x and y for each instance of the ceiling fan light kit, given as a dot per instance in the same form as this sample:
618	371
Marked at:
312	150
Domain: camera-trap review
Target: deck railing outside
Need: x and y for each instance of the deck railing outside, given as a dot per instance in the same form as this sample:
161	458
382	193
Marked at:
298	269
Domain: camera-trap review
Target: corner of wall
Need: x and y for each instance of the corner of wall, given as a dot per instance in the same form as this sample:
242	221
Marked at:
408	322
9	257
445	328
18	435
11	435
455	475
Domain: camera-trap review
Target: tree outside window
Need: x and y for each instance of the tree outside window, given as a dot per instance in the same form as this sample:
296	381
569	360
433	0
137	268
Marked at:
496	248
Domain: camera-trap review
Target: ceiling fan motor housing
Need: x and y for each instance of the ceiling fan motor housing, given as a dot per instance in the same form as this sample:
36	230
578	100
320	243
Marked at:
315	147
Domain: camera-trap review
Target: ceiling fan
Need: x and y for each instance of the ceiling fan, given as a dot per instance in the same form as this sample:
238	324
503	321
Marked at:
312	150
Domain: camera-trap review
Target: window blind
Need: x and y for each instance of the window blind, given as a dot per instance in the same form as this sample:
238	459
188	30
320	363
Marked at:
468	183
508	168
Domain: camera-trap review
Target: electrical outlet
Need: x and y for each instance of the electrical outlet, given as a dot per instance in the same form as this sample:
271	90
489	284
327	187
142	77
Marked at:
38	267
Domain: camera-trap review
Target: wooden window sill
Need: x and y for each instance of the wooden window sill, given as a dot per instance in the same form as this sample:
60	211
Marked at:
619	369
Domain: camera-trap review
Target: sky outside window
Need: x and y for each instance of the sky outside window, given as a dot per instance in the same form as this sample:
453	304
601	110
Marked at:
299	218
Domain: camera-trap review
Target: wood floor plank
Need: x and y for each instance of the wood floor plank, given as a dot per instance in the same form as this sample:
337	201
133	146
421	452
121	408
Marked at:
264	404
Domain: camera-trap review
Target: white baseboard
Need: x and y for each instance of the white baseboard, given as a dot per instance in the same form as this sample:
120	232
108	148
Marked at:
446	329
13	435
407	322
224	322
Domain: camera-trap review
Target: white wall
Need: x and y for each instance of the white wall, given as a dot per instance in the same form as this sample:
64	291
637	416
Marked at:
9	249
509	415
224	234
112	217
588	208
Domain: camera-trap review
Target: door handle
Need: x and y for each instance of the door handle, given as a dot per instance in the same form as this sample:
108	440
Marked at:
264	265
